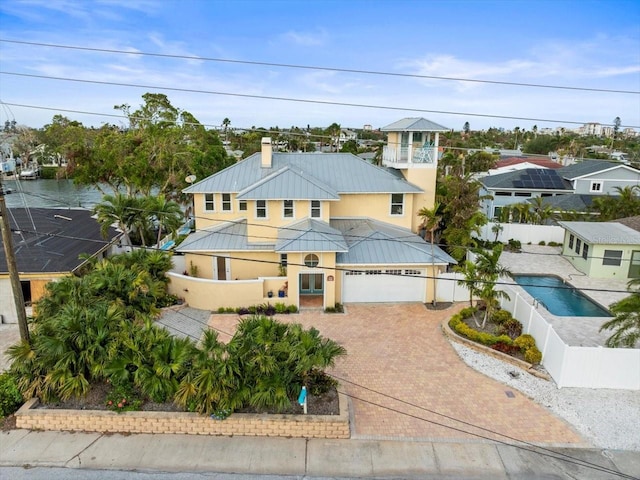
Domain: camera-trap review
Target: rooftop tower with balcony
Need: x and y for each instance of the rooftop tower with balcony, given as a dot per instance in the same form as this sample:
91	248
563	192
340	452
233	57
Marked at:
412	149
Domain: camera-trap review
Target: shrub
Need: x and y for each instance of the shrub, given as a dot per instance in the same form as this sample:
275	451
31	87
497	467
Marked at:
467	312
525	342
542	243
533	355
514	245
465	330
511	327
222	310
319	382
554	244
504	348
292	309
338	308
281	308
10	396
122	398
501	316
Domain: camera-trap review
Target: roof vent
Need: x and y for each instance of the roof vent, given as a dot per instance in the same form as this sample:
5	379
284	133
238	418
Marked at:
267	153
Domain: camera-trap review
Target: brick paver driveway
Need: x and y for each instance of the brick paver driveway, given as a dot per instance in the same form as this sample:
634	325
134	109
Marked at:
400	351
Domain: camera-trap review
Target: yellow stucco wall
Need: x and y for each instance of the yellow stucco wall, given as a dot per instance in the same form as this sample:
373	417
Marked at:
376	206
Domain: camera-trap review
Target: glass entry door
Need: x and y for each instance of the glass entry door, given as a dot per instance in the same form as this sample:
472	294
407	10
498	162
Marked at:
311	283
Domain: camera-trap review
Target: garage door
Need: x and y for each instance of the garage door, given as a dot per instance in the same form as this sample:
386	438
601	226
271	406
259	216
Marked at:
401	285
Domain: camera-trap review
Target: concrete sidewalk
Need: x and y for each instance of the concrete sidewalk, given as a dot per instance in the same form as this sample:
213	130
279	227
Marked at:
300	457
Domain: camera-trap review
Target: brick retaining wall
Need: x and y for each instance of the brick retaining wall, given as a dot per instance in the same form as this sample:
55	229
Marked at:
260	425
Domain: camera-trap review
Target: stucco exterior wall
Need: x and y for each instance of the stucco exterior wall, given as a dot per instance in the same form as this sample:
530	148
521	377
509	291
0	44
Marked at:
593	265
376	206
297	426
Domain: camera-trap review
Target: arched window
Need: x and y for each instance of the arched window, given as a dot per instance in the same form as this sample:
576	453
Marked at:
311	260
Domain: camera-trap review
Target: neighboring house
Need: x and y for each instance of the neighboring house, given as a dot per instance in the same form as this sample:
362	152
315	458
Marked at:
602	249
631	222
519	163
520	186
346	135
334	226
47	243
576	203
599	177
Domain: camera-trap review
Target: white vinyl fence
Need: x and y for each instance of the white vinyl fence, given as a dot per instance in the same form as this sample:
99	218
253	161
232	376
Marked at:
570	366
448	289
524	232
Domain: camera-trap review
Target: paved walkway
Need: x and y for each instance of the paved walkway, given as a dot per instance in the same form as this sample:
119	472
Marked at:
9	335
400	351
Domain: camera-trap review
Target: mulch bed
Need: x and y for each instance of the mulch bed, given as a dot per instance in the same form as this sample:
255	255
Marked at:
492	329
326	404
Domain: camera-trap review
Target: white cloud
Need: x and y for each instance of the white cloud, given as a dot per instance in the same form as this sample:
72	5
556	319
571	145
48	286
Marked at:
306	39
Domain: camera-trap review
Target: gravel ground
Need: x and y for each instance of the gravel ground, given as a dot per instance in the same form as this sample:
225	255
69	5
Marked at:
608	418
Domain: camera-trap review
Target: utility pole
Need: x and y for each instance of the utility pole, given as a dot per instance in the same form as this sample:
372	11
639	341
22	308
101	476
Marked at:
9	254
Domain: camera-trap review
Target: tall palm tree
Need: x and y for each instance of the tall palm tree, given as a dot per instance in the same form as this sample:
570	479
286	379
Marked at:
626	322
120	210
167	213
470	281
431	221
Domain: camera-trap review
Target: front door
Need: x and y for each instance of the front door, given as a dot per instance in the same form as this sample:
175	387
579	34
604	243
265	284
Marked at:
634	268
311	283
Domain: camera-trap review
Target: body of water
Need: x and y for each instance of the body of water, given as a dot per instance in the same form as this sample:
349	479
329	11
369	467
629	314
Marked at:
559	298
50	194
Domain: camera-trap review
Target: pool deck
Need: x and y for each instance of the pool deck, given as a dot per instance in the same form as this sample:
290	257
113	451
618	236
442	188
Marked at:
575	331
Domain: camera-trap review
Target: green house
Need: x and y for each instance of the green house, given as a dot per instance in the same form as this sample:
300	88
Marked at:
602	249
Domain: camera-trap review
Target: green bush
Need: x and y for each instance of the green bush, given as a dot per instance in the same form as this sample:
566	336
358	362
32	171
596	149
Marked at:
554	244
525	342
338	308
221	310
10	397
533	355
122	398
467	312
542	243
501	316
292	309
465	330
281	307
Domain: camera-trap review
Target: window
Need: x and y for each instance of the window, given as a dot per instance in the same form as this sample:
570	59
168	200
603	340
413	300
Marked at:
497	211
242	205
502	194
397	203
571	239
261	209
311	260
226	202
585	251
523	194
412	272
393	272
417	137
596	186
283	260
612	257
543	195
287	209
315	209
209	204
578	245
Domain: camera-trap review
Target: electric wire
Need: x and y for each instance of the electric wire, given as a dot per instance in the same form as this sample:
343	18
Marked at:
315	67
295	100
531	447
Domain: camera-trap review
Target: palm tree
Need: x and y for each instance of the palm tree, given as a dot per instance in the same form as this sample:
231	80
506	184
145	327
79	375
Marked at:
167	213
468	269
121	210
489	272
431	222
225	125
626	322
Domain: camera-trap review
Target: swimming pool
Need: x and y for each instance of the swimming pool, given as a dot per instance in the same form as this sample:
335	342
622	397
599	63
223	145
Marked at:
563	302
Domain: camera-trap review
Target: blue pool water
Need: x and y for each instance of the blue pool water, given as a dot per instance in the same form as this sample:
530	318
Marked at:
563	302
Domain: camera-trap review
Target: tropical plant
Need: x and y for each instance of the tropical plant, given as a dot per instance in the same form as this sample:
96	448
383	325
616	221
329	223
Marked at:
489	271
626	323
431	222
123	211
625	204
165	213
471	280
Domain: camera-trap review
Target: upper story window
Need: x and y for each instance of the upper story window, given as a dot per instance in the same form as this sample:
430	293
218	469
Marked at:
311	260
261	209
397	203
417	137
596	186
287	208
284	260
226	202
242	205
502	194
315	209
209	203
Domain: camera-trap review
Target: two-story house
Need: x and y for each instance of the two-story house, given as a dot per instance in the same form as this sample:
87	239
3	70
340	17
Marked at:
327	226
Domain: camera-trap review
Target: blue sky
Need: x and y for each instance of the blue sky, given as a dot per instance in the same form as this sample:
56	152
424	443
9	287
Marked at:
578	44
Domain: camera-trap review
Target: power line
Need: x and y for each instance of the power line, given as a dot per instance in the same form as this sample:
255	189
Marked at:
320	68
296	100
529	446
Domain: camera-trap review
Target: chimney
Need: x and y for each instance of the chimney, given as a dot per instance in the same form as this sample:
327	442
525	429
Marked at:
267	153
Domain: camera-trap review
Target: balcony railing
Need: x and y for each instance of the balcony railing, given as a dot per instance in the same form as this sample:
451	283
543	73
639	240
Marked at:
408	154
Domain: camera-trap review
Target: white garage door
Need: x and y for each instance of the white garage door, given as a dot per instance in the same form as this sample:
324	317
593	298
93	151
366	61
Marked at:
401	285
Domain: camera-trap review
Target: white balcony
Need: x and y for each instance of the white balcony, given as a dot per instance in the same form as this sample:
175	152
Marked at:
409	155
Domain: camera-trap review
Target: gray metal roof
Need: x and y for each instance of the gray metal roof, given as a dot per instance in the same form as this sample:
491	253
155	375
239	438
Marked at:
310	235
226	237
376	243
569	202
585	167
288	184
603	233
414	124
528	179
342	172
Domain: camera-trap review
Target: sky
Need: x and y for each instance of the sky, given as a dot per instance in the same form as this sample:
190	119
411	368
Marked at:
583	44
